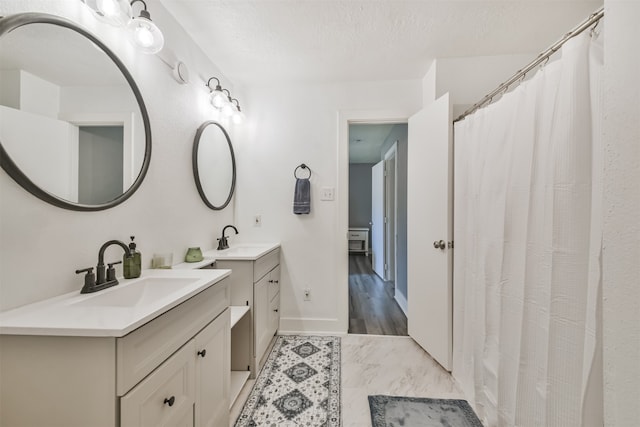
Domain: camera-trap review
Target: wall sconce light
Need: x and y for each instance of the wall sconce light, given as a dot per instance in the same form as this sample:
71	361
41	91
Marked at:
221	100
113	12
144	34
228	108
238	116
218	97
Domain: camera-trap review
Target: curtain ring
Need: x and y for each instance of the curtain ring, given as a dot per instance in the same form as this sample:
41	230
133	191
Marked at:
303	166
593	31
546	61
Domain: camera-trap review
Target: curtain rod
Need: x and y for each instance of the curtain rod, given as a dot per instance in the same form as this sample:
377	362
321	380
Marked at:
544	56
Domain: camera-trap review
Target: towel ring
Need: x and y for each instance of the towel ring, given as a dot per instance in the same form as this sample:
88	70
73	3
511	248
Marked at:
303	166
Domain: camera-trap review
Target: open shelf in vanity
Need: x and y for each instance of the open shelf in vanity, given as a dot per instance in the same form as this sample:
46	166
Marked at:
237	311
240	342
255	305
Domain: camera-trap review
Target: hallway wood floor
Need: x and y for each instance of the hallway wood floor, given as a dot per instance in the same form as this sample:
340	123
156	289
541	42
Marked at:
372	308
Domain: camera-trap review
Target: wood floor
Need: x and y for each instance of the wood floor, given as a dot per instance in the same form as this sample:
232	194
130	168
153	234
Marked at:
372	308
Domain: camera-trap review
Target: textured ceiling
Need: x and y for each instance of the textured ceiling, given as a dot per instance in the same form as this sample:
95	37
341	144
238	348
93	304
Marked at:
343	40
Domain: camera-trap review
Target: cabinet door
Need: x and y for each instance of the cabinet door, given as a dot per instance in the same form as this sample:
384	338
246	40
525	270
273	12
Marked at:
213	368
166	397
261	316
274	300
274	315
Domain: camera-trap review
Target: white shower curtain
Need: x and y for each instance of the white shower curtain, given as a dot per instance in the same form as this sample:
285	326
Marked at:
528	191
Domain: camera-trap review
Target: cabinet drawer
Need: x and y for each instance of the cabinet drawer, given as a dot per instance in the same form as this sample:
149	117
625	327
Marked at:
164	398
141	351
357	235
265	264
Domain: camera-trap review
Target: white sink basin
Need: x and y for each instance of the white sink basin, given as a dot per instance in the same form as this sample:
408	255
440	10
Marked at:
143	292
243	251
112	312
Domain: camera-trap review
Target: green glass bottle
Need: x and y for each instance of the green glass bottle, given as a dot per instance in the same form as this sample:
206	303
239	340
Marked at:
132	266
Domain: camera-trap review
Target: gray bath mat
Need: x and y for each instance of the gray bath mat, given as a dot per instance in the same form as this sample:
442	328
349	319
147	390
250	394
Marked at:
394	411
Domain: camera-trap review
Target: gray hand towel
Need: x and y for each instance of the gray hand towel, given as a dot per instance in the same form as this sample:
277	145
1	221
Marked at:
302	196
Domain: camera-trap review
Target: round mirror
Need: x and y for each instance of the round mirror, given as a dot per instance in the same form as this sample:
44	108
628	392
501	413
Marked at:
75	131
214	165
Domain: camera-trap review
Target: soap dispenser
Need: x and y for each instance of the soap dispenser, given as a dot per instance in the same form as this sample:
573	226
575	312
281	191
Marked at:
132	266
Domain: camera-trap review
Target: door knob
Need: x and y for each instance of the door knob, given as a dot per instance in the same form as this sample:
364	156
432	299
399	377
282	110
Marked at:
439	244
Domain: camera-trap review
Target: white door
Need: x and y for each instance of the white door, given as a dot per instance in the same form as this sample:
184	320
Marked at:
377	218
390	214
429	221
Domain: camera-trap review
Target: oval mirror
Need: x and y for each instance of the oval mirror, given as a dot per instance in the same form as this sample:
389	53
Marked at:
75	130
214	165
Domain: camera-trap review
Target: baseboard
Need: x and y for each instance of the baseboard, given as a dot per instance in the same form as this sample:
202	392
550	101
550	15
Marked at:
402	302
296	325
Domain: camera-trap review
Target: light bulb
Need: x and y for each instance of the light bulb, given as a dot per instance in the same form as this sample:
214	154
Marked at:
108	7
145	35
113	12
228	109
218	99
237	117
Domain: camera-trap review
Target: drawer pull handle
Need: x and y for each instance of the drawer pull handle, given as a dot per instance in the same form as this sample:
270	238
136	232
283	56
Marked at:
275	309
270	281
202	353
276	281
170	401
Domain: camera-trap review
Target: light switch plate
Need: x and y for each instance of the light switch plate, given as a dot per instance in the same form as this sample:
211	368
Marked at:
327	193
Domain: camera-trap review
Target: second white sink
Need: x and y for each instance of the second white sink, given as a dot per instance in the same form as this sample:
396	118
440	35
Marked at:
243	251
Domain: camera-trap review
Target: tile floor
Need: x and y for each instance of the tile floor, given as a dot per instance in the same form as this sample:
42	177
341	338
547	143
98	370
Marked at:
374	364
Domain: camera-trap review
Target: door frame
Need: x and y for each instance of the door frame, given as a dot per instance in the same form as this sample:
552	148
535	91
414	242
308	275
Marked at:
392	153
345	118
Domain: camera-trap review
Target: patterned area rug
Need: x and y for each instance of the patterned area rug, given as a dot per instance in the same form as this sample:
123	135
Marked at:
299	385
393	411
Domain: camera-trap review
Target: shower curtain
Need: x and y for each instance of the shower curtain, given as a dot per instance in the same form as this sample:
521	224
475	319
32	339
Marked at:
528	201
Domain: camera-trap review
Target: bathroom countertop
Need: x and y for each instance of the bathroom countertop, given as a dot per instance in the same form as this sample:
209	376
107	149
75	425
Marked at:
113	312
194	265
242	251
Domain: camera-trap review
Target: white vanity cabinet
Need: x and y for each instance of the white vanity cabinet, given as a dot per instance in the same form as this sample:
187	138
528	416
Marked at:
171	371
197	374
254	283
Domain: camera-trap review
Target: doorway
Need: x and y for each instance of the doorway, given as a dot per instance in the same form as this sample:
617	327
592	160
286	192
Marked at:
377	228
100	163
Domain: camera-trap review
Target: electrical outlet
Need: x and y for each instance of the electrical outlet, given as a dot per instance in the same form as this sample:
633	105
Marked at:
307	294
257	221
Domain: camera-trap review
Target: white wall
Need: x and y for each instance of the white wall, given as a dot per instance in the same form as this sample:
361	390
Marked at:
43	148
41	245
24	91
39	96
360	194
10	88
621	240
293	125
97	105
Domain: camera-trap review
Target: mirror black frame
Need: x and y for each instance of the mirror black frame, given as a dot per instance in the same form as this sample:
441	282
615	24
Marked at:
10	23
196	174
